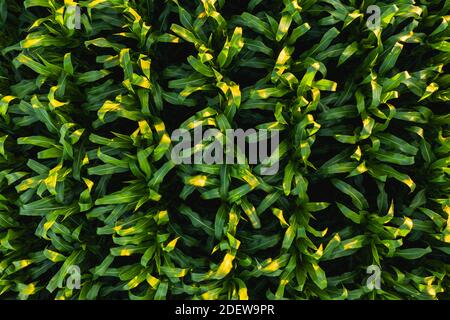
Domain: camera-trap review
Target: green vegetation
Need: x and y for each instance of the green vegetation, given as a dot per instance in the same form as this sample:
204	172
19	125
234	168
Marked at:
86	177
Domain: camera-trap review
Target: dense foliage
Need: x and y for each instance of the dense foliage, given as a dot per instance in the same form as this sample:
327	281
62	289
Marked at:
86	178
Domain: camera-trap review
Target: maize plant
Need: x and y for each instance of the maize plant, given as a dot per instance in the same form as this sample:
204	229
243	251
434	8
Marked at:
93	204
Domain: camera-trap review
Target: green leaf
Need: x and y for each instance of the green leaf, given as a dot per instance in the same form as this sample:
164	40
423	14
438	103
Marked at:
412	253
357	197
